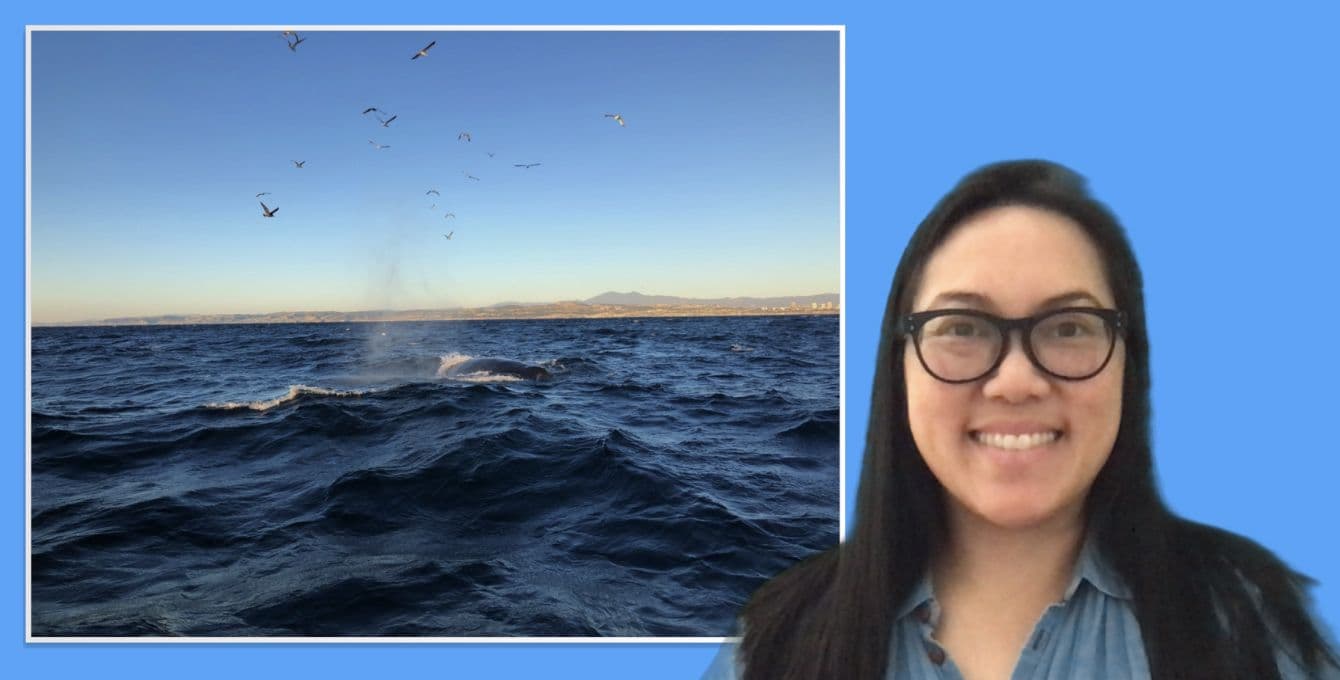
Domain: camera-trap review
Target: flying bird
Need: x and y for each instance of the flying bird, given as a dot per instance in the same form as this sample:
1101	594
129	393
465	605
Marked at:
263	193
524	165
469	176
432	191
449	216
617	118
387	122
490	153
423	52
448	236
370	109
464	135
294	45
268	212
299	164
379	146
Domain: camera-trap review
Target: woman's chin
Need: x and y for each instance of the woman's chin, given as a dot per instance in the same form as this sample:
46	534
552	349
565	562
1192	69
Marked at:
1017	514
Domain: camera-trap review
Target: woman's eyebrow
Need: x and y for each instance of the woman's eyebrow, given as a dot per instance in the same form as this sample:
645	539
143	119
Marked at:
1070	298
961	299
979	301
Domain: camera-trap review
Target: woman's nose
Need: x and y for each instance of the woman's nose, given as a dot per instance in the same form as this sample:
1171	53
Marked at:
1016	379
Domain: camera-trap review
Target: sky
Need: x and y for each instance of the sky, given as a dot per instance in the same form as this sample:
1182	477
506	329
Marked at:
148	149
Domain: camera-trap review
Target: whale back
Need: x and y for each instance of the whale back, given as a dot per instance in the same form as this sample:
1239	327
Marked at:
500	367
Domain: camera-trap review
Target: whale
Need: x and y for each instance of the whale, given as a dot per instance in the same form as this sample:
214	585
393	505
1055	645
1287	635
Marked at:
501	367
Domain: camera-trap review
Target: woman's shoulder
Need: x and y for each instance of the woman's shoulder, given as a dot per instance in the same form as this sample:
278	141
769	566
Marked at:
1254	591
1229	562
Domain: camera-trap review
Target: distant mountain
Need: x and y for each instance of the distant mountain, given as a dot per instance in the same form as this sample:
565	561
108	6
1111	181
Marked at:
605	305
640	300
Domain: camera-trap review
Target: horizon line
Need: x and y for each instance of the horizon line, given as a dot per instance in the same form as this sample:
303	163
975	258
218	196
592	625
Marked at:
678	300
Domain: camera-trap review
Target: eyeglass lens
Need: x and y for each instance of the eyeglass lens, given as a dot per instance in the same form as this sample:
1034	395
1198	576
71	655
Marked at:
964	347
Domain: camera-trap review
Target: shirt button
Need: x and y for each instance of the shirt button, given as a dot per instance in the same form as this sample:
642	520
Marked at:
935	654
923	613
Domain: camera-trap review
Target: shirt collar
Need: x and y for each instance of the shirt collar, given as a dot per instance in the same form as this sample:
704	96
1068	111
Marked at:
922	594
1090	566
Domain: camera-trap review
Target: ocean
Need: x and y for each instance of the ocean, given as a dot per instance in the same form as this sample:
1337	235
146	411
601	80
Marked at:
329	480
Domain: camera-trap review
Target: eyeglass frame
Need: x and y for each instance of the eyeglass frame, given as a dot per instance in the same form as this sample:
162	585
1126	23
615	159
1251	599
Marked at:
910	324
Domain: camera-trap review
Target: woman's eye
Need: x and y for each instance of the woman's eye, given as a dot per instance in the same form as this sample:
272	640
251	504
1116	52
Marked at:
1069	330
949	327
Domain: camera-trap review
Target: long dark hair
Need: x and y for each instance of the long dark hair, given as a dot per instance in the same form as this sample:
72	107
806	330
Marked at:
832	615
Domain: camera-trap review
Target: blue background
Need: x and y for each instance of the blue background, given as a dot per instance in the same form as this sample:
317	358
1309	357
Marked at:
1212	133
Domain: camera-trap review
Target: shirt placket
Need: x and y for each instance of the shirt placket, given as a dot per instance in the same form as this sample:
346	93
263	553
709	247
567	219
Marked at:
927	615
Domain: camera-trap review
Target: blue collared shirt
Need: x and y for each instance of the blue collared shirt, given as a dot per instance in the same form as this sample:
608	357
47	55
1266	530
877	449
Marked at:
1092	633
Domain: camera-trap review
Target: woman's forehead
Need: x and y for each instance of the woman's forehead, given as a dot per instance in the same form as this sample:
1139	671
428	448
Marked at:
1014	260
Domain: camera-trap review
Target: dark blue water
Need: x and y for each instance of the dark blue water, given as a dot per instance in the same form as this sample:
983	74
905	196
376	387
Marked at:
331	480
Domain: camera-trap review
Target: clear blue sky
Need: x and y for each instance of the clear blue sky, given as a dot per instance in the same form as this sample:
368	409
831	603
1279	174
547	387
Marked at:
148	148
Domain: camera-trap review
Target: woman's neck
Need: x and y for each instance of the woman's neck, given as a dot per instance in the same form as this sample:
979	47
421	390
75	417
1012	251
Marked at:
982	560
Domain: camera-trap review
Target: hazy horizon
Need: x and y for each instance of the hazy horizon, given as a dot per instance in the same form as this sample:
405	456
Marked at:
500	303
148	149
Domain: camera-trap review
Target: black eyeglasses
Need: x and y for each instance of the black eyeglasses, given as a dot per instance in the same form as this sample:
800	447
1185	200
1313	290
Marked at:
963	345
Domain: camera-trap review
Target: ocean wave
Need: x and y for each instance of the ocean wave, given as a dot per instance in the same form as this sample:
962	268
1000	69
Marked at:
572	365
262	480
318	341
400	369
822	426
628	387
294	393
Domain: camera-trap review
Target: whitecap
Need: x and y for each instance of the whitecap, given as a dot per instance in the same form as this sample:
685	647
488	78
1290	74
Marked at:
294	391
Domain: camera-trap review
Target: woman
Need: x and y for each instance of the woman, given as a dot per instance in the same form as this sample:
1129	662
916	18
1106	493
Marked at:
1008	524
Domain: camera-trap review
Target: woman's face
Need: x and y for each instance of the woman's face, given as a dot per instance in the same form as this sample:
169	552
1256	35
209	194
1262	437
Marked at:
1015	261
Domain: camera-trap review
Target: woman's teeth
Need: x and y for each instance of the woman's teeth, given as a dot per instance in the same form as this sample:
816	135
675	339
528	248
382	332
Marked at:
1015	442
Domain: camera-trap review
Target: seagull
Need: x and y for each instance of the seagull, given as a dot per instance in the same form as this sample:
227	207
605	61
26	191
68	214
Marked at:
432	191
464	135
294	45
449	216
370	109
379	146
263	193
524	165
617	118
469	176
448	235
298	164
268	212
423	52
387	122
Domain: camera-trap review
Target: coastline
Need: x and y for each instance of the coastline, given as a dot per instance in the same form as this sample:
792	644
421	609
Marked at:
563	310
